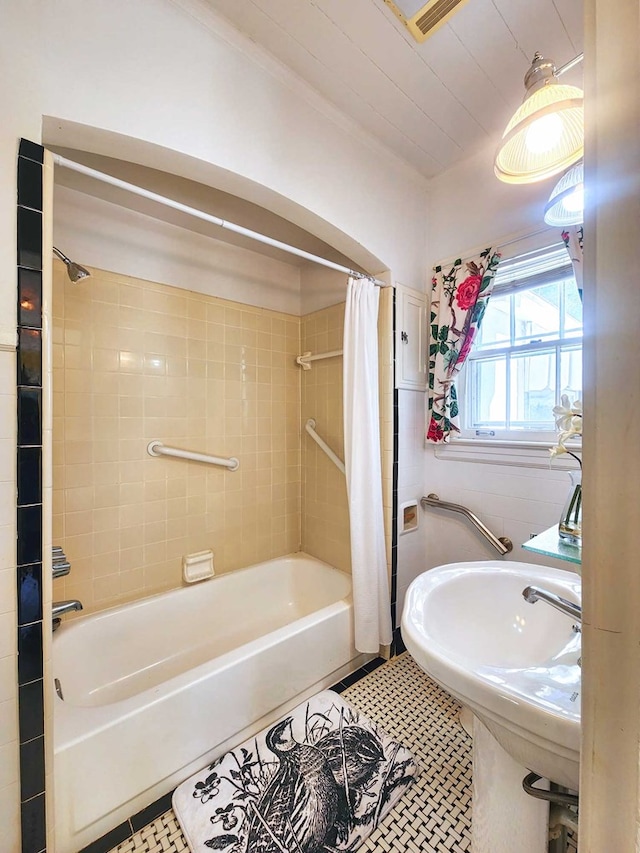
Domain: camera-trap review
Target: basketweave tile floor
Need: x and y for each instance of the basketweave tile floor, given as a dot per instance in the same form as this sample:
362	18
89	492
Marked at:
434	816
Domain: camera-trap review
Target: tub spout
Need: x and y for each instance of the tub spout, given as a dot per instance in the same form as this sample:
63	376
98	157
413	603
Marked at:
59	608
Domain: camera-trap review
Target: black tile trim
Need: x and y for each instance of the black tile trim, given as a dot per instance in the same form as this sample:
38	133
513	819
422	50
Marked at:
29	361
29	417
150	813
29	476
373	664
394	490
33	822
351	679
29	184
127	828
29	238
29	252
31	710
29	594
32	768
29	653
29	298
29	535
31	150
398	643
121	833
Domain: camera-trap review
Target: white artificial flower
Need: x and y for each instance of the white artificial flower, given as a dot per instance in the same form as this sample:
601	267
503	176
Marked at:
567	412
563	413
557	450
568	418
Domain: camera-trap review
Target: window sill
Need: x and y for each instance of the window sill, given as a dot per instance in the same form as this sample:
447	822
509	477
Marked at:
522	454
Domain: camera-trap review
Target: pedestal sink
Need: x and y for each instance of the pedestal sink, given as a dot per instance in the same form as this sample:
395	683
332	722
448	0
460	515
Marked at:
514	664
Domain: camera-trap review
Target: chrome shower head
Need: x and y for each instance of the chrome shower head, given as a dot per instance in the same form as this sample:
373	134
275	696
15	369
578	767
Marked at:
74	270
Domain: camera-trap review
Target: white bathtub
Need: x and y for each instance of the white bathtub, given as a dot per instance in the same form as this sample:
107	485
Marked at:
156	689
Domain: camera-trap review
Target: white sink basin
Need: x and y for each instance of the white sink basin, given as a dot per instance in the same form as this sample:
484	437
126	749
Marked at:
514	664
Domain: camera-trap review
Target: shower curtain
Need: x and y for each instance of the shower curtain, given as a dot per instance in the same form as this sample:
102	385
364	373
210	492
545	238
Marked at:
371	599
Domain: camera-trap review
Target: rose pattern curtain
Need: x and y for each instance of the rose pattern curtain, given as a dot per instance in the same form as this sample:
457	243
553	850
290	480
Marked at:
573	239
458	302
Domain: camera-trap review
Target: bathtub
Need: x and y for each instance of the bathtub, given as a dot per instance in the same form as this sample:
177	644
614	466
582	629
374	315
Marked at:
154	690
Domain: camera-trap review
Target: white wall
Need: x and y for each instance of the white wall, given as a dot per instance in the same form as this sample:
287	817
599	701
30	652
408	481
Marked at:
469	209
111	237
152	78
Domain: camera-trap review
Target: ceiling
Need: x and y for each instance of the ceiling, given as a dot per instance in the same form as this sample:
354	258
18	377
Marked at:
431	104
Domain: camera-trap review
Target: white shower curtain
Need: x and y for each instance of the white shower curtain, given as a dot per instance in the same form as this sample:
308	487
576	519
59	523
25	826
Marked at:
372	604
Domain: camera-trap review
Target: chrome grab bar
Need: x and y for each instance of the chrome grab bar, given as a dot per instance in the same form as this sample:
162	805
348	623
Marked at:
502	544
310	428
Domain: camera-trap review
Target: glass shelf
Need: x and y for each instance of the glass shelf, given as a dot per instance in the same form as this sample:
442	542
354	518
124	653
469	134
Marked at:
550	544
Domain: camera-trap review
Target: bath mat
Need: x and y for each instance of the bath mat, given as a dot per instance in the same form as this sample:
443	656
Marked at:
320	779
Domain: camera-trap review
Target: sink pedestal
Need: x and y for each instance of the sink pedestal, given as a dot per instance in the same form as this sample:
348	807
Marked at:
504	817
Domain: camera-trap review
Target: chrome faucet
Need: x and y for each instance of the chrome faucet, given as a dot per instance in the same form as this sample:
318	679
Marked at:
534	593
59	608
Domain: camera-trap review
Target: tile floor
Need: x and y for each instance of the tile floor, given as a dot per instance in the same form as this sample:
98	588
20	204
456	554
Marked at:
435	815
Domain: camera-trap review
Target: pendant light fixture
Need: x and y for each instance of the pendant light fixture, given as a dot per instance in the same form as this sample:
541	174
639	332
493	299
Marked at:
566	202
546	134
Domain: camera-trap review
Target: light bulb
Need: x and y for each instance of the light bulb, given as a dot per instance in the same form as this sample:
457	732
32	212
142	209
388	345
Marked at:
575	200
544	133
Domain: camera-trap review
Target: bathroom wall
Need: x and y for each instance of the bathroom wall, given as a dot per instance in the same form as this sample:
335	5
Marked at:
513	500
251	129
112	237
325	511
136	361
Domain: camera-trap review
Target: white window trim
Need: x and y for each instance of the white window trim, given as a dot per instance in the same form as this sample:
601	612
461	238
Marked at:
522	454
502	450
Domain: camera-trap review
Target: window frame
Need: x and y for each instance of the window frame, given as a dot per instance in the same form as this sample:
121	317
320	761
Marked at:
524	448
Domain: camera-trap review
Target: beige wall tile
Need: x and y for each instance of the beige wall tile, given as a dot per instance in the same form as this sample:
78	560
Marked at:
136	361
325	515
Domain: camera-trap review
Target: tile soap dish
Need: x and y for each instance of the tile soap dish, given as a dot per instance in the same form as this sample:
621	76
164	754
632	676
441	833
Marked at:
198	566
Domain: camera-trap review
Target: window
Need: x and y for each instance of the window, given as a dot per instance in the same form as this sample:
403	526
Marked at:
528	351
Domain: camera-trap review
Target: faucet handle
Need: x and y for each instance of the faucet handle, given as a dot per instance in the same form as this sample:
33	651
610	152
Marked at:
61	566
60	569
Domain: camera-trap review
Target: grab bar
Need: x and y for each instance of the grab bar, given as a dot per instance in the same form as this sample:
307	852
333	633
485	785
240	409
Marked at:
310	427
503	544
157	448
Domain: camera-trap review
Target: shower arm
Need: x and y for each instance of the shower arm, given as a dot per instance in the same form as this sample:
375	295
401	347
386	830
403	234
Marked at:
503	544
61	255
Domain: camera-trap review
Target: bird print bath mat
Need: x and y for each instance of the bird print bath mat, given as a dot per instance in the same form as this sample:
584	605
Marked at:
317	781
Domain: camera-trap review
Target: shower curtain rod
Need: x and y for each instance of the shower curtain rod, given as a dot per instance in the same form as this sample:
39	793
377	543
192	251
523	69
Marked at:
207	217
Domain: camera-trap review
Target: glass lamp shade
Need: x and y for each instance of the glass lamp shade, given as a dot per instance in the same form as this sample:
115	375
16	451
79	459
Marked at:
544	137
566	202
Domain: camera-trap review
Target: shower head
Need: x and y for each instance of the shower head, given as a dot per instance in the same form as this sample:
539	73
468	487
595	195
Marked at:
74	270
